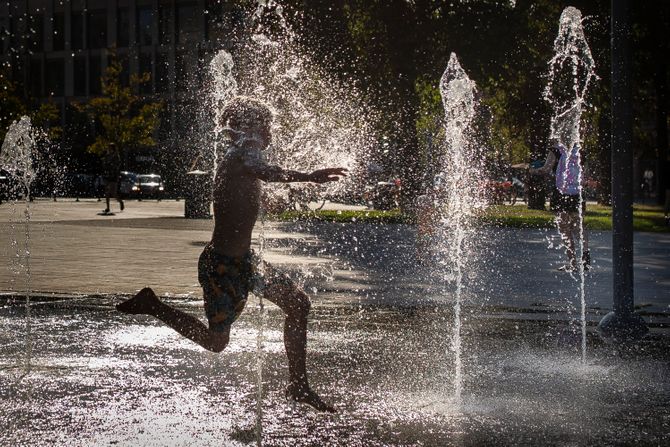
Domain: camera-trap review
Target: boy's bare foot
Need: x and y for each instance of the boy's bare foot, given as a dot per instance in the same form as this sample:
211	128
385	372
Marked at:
305	395
144	302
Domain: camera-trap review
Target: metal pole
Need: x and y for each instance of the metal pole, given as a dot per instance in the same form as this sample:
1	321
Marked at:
622	323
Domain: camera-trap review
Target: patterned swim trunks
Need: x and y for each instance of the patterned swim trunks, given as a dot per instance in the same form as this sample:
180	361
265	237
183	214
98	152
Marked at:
226	281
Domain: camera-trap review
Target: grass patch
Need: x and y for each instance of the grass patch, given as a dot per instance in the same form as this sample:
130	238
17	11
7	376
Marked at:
598	218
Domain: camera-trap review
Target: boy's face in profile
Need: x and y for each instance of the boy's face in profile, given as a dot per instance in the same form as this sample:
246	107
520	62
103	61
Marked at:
264	133
260	133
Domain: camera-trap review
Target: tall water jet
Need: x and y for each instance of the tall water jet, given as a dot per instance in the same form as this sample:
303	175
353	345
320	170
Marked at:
571	71
16	157
458	195
223	88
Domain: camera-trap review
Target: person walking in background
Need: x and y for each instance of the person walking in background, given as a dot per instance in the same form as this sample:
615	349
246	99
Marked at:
648	183
565	165
111	173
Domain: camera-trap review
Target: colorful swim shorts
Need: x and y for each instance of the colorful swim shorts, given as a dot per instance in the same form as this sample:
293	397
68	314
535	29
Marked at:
226	281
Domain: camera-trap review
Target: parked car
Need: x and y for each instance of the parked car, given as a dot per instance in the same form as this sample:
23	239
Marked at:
78	185
127	181
499	190
10	187
383	195
4	186
148	186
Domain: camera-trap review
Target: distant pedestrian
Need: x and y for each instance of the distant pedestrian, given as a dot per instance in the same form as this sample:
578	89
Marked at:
111	173
648	184
565	165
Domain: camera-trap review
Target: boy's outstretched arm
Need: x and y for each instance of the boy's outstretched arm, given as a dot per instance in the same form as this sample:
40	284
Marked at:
269	173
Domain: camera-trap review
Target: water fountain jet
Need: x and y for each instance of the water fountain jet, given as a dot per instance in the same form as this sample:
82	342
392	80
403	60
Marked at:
571	71
458	197
16	157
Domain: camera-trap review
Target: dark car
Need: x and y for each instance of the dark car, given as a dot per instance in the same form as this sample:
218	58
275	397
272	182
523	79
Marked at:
78	184
4	186
148	186
10	187
127	184
383	195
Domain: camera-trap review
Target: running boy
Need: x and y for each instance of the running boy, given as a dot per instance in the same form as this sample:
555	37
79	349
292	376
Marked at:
227	267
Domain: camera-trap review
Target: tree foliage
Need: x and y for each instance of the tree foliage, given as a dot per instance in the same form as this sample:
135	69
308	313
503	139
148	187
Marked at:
397	50
12	106
125	121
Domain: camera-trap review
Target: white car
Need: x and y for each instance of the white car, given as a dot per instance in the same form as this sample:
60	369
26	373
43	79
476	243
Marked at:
148	186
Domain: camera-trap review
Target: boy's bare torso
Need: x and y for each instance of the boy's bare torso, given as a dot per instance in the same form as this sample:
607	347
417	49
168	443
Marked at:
237	192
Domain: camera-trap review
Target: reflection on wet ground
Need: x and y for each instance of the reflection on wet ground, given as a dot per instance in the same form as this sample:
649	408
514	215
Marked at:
96	377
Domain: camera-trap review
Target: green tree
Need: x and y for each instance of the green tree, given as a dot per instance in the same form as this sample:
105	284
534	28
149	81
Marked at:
12	105
125	121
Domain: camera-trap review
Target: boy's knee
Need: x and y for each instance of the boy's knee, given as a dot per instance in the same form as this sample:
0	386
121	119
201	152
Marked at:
302	303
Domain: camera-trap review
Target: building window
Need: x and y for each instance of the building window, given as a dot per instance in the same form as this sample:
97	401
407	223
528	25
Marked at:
165	24
56	79
36	76
97	29
59	31
35	32
181	71
162	73
94	75
79	75
145	67
13	39
218	19
145	23
187	24
122	27
4	33
77	30
124	76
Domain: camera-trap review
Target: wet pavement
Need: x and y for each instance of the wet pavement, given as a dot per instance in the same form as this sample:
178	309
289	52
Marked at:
95	377
76	372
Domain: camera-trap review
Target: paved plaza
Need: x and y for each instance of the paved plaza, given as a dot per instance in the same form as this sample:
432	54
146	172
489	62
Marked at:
76	251
75	372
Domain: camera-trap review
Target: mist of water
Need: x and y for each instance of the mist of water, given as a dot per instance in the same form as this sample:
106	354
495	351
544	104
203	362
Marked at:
319	121
571	71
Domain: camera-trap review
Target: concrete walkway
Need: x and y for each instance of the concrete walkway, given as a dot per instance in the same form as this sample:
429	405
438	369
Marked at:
74	250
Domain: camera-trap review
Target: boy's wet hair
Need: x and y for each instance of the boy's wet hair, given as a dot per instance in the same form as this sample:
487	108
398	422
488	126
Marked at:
243	112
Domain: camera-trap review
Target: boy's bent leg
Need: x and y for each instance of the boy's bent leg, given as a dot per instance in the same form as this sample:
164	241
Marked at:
295	304
146	302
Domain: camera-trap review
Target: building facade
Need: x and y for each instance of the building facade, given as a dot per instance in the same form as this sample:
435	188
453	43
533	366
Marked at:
58	49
